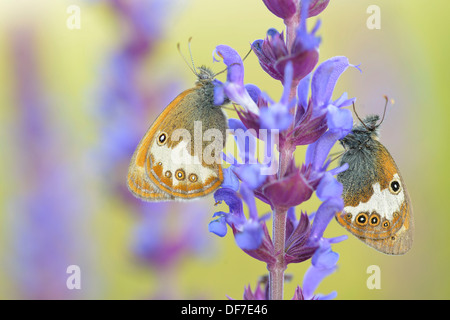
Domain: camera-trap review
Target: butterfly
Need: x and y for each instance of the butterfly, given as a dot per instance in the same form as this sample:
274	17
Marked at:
377	206
170	161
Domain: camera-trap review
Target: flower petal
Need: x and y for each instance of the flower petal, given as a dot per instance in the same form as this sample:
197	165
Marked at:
325	78
282	8
327	210
234	87
230	180
251	236
317	6
339	120
218	227
329	187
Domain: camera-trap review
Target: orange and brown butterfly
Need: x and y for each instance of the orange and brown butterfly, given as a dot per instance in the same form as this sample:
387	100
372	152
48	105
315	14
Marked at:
377	206
169	162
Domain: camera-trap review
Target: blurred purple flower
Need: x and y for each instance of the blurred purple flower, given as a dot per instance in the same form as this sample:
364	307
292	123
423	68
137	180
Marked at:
50	201
130	97
161	245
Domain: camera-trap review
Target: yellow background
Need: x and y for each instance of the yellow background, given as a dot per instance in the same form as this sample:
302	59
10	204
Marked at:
407	59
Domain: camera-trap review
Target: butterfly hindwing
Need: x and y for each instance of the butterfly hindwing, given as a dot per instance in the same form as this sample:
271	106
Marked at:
377	208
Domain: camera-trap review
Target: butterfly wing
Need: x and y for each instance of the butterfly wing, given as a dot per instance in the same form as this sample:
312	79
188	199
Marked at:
377	205
166	160
142	187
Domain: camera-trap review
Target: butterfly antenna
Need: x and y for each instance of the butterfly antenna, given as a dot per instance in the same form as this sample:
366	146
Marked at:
190	53
384	112
184	58
356	113
248	53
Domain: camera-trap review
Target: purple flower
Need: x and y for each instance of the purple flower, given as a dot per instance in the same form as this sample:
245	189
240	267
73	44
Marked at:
50	200
274	55
233	88
156	246
249	232
282	8
317	121
317	6
278	116
286	9
316	114
258	294
323	264
288	191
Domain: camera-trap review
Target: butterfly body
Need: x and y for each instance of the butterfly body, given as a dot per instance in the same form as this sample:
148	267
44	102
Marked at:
169	162
377	207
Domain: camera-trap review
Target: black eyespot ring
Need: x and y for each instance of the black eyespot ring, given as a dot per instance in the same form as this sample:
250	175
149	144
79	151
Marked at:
386	224
180	175
193	177
168	174
394	186
362	218
162	139
374	220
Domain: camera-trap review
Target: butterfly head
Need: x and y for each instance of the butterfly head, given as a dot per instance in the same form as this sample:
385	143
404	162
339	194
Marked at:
205	74
363	134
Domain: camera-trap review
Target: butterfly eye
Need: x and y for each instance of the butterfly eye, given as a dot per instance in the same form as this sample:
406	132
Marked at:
180	175
394	186
162	138
362	218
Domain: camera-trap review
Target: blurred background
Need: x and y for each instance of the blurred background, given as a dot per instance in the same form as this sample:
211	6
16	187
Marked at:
81	81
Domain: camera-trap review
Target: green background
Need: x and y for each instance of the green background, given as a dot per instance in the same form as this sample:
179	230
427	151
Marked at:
407	59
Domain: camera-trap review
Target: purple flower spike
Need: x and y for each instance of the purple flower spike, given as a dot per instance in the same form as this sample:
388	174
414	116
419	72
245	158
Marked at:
234	87
282	8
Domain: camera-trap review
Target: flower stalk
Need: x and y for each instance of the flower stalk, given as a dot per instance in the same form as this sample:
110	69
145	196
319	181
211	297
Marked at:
305	115
276	272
